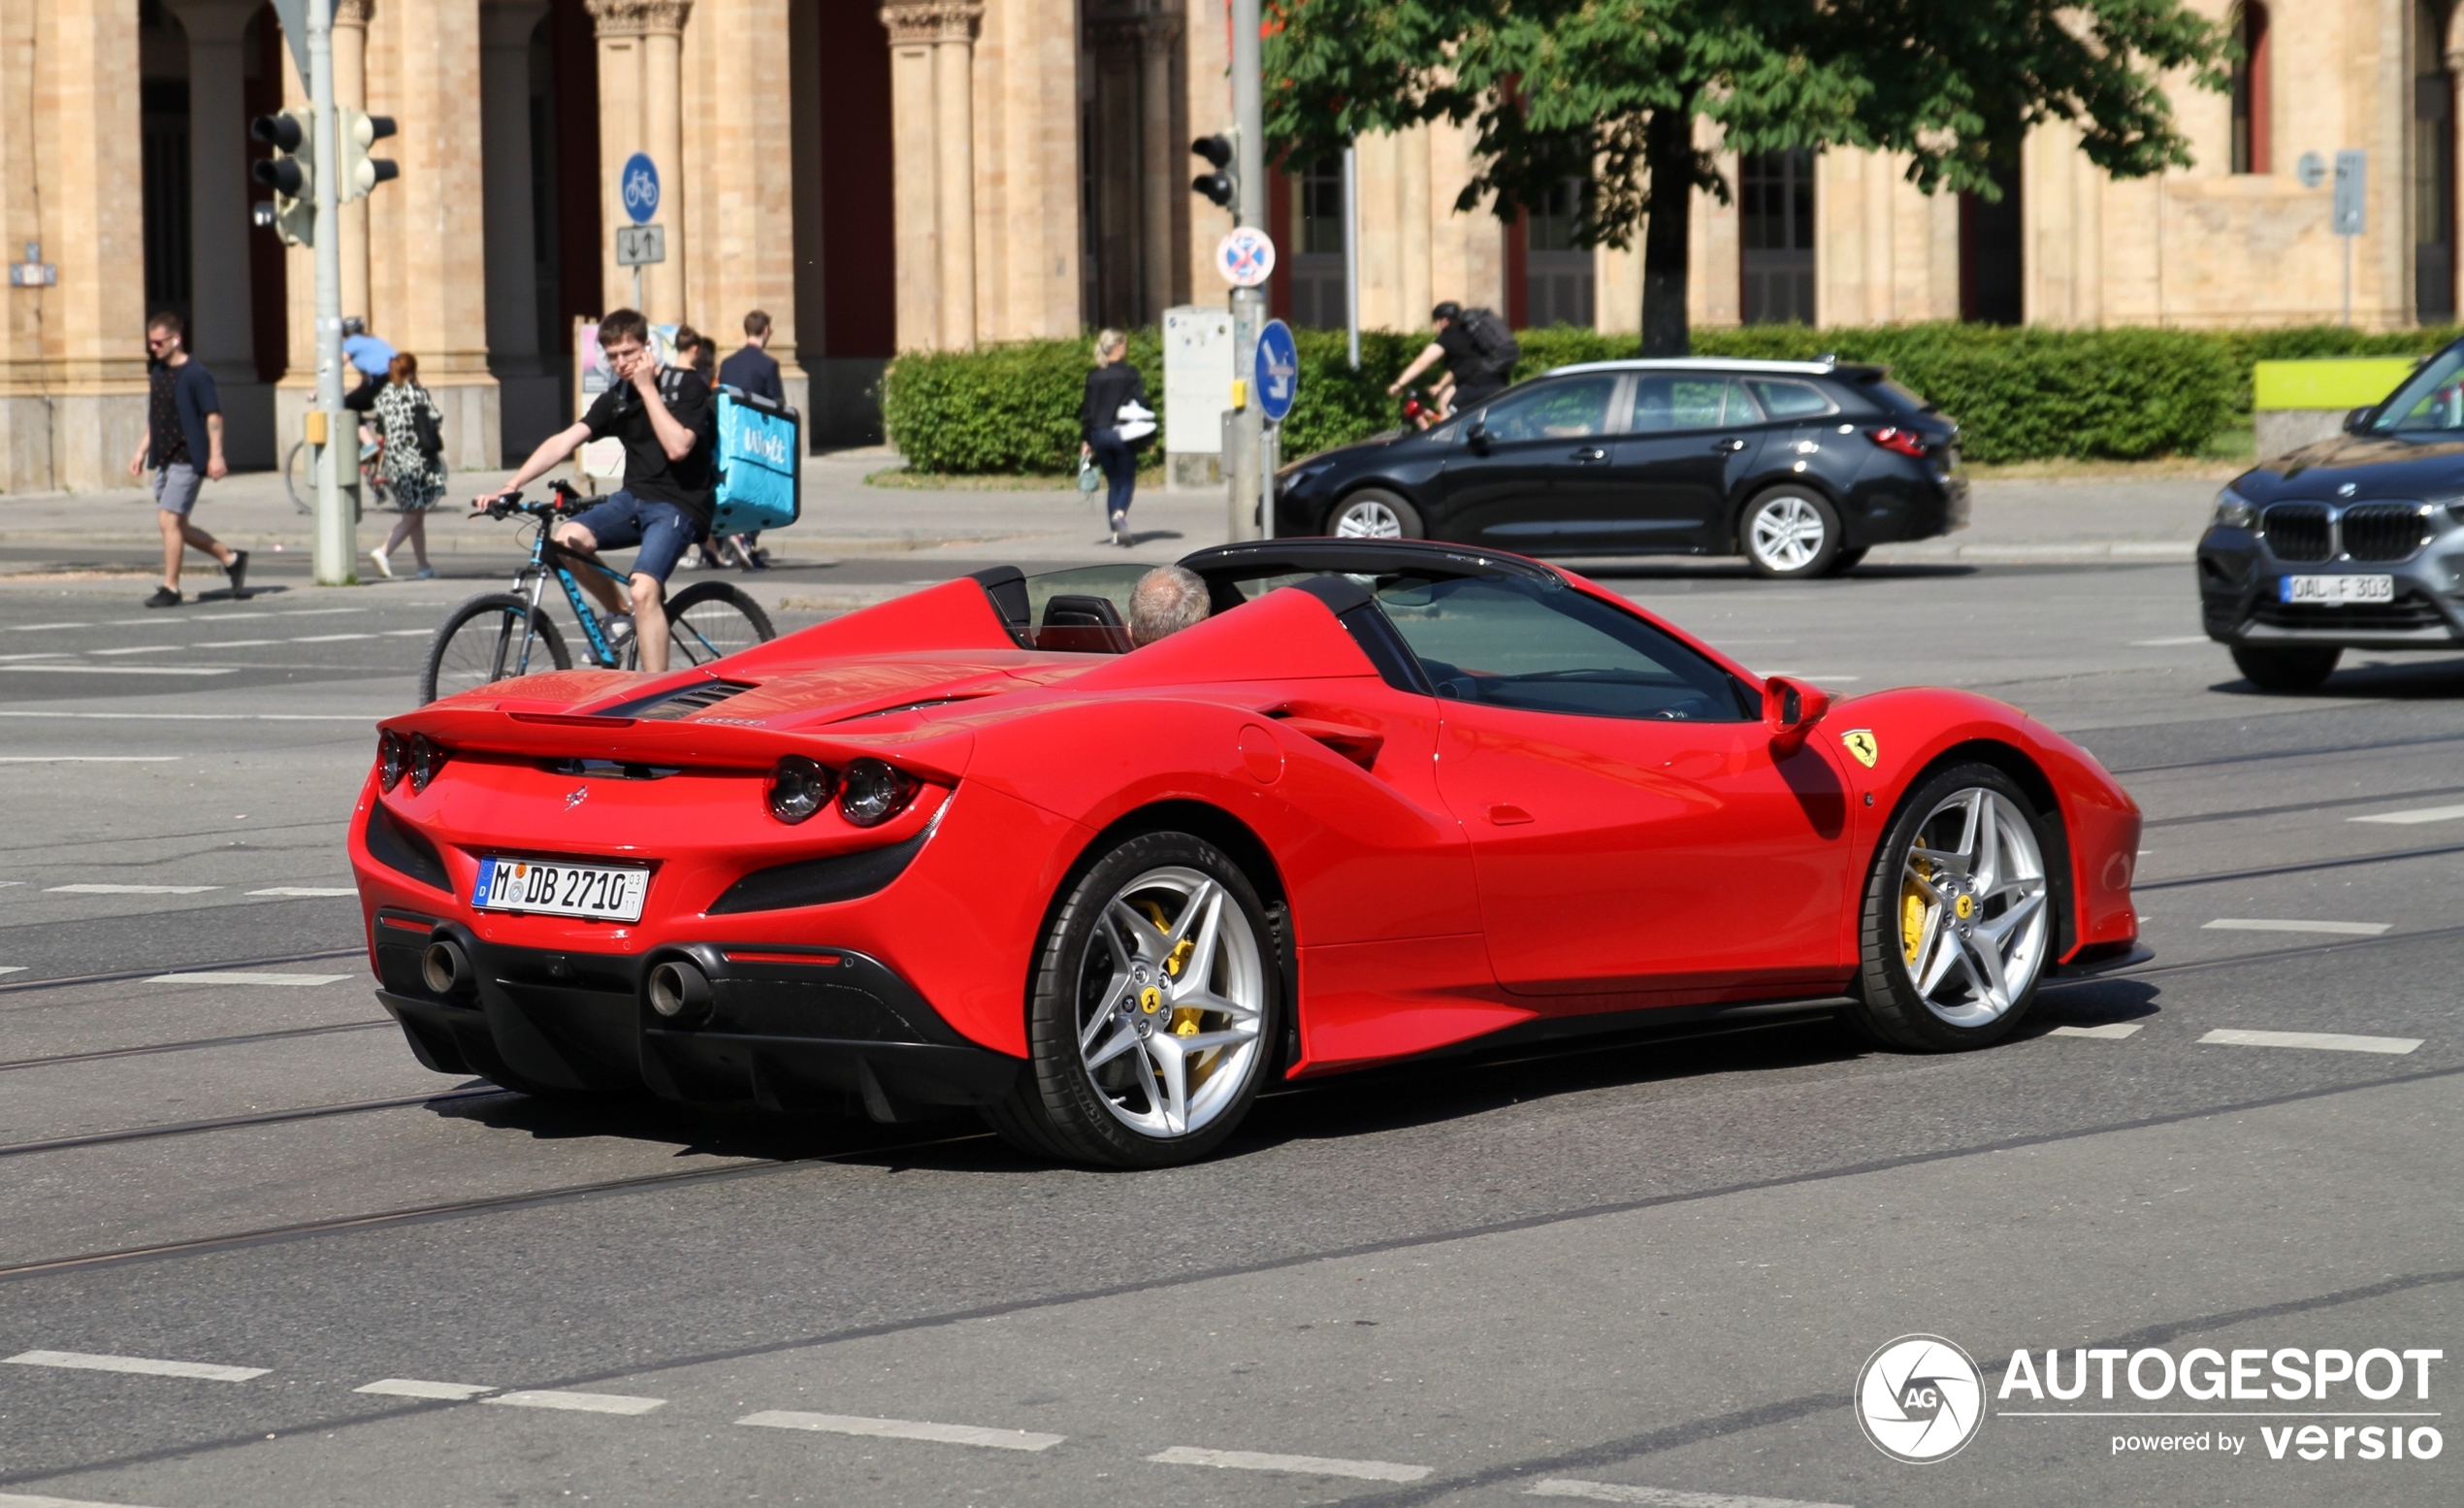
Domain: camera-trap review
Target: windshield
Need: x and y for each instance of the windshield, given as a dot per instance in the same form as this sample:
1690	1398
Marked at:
2431	403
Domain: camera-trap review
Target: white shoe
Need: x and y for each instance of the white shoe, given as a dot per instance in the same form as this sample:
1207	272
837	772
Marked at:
385	567
620	628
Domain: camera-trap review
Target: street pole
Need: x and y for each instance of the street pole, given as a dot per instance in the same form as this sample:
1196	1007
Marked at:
1352	255
1250	479
334	533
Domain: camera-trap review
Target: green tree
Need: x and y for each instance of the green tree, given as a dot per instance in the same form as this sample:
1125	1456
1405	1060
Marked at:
1608	90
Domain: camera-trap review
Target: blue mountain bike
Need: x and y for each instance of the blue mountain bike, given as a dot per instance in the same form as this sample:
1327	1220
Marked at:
501	635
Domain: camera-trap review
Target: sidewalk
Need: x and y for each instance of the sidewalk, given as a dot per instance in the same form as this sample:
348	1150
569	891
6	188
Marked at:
2012	521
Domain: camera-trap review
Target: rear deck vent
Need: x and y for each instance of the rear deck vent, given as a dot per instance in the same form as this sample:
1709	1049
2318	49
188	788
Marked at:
684	702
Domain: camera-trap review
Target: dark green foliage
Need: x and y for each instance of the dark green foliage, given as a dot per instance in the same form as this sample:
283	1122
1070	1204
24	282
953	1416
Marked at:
2020	393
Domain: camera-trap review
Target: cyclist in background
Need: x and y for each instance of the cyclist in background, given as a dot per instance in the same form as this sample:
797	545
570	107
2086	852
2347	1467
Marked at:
668	424
373	360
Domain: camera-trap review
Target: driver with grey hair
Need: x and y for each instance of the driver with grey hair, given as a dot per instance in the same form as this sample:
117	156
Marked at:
1166	600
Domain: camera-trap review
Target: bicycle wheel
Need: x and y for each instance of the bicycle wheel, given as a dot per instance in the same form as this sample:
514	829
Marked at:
711	619
294	478
484	643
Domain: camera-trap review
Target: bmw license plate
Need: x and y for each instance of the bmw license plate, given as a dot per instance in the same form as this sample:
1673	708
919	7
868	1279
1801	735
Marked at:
2335	591
557	889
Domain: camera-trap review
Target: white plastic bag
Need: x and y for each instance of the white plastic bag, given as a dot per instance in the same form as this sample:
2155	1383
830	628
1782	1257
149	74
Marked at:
1137	421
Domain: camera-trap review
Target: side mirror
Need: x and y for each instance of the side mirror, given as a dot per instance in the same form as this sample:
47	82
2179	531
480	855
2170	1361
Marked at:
1476	436
2359	418
1791	710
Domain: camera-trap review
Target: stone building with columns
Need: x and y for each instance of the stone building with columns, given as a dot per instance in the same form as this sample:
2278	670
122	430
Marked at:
943	173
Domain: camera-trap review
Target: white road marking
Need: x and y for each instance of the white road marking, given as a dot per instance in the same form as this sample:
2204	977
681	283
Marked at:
29	627
128	890
406	633
2256	924
20	1501
128	670
235	644
1619	1492
15	968
2418	814
2111	1031
1307	1465
87	759
330	639
307	890
209	717
40	654
2322	1041
577	1403
310	612
141	649
905	1430
413	1388
303	981
2167	643
87	1362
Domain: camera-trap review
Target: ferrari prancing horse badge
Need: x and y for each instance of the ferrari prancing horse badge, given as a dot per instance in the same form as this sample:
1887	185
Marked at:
1859	742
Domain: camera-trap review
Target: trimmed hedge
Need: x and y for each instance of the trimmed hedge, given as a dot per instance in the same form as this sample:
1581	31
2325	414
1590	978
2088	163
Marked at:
2020	393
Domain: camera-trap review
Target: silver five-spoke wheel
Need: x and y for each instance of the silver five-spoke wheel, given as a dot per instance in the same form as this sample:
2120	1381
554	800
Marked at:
1374	516
1173	999
1786	534
1972	907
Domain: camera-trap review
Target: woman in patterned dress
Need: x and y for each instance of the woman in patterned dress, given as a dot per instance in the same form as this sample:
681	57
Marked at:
416	477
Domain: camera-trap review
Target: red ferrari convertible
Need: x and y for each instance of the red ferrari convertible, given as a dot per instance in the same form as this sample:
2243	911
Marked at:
1389	799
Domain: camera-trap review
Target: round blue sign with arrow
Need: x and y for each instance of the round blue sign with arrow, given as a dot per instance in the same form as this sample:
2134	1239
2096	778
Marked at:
638	187
1279	370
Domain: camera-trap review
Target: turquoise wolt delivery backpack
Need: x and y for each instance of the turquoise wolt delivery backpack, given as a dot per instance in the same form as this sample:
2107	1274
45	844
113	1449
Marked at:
759	484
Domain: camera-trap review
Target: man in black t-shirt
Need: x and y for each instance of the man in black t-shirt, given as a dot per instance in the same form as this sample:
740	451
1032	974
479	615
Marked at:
1473	376
669	426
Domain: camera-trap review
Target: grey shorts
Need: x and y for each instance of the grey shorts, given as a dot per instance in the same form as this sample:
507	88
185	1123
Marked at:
175	487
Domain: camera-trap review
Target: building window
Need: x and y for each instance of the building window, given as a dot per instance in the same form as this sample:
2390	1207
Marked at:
2432	169
2251	78
163	120
1558	281
1317	261
1775	230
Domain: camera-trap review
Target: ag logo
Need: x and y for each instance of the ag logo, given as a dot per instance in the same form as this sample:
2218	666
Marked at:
1859	742
1920	1398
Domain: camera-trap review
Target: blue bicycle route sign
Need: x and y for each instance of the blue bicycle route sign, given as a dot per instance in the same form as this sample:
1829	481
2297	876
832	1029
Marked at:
639	185
1279	370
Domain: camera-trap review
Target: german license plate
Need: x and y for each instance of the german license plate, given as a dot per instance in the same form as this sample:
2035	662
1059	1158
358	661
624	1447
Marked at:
2336	591
557	889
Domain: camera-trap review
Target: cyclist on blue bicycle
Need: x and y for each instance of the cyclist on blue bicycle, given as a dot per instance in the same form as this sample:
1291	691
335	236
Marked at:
669	426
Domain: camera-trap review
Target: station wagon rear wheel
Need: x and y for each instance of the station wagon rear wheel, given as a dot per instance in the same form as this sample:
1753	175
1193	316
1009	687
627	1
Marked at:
1790	533
1957	923
1153	1019
1373	514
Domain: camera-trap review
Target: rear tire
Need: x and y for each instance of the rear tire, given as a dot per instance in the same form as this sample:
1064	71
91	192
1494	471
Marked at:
1789	534
2303	669
1375	513
482	644
710	620
1154	1012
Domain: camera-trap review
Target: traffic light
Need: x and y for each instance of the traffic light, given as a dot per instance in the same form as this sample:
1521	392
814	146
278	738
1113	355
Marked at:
1220	186
291	172
361	171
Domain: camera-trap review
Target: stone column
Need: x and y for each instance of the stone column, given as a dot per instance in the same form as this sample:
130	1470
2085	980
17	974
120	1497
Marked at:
350	93
527	392
641	109
1163	148
932	109
220	331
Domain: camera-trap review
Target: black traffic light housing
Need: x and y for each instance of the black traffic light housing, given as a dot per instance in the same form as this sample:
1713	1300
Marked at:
1220	186
291	172
360	173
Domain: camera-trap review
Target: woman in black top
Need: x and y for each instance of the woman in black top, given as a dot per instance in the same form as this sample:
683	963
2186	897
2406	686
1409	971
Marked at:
1113	384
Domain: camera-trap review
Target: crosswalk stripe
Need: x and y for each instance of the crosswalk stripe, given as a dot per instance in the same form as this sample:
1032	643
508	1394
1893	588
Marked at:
2260	924
905	1430
1306	1466
2324	1042
414	1387
1659	1496
91	1361
576	1402
2418	814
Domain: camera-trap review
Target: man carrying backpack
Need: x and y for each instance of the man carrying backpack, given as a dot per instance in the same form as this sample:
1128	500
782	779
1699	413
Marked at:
1479	351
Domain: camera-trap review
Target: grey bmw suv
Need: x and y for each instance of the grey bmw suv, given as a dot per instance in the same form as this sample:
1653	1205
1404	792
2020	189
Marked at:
2355	542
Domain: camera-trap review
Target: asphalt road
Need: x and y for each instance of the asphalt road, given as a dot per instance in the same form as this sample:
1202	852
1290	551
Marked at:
1646	1271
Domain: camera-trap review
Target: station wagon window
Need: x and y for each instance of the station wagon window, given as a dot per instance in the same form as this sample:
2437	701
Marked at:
2431	402
1541	646
1669	401
1573	409
1786	400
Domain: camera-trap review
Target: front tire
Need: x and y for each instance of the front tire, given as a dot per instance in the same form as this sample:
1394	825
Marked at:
484	643
1375	513
1153	1018
710	620
1789	534
1958	921
2304	669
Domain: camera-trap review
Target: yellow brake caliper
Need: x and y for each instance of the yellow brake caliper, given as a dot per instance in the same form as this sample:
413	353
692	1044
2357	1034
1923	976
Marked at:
1915	902
1185	1018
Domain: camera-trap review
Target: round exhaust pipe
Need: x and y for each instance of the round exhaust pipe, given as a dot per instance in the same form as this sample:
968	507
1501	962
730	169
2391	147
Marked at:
679	992
446	968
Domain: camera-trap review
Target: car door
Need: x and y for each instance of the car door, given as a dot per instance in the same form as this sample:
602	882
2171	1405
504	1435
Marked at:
1668	478
1502	486
1633	831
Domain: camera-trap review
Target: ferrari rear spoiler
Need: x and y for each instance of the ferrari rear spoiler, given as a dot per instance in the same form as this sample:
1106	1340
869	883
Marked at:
527	729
